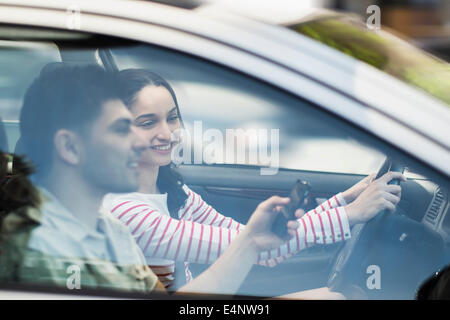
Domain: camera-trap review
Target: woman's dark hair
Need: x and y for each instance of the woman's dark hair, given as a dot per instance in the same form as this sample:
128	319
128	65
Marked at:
131	82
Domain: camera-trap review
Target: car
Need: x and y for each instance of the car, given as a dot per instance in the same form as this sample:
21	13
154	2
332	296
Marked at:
317	97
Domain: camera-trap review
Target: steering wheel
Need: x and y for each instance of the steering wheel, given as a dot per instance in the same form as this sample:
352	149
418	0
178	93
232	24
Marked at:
342	276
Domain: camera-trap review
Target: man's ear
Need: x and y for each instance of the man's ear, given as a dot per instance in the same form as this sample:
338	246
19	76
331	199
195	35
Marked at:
67	146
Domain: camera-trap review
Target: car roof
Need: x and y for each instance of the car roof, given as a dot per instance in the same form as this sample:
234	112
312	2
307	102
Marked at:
286	12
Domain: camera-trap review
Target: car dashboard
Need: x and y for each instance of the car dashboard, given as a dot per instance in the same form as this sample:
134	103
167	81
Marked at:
437	214
427	202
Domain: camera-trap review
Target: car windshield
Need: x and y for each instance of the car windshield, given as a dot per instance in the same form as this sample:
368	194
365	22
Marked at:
381	50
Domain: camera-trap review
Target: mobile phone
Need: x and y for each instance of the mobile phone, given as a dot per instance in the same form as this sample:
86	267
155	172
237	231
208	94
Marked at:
298	194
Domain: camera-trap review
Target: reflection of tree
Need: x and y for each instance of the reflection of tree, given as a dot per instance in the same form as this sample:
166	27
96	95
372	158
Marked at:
16	190
363	46
383	52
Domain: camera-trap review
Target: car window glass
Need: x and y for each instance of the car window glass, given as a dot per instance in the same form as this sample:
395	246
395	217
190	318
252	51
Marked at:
266	128
214	100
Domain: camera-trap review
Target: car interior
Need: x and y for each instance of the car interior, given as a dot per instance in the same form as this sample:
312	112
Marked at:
328	152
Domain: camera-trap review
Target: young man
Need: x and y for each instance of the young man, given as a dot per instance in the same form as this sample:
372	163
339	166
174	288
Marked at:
82	144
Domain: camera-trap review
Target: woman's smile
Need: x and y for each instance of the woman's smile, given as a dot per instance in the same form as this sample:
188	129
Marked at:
163	149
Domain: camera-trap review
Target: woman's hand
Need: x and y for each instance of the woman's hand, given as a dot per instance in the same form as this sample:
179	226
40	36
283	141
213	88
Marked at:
259	226
379	195
353	192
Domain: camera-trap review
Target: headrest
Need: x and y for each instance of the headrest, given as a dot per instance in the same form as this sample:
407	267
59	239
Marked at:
3	138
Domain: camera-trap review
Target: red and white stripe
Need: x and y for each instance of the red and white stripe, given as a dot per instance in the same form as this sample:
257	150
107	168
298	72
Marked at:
202	234
165	273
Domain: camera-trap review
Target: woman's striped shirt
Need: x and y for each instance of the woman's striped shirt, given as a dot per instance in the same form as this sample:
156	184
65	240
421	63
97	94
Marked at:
201	234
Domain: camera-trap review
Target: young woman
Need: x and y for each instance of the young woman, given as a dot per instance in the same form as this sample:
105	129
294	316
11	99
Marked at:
170	222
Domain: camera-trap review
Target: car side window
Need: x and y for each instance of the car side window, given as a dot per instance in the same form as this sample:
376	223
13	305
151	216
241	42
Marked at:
222	108
232	119
239	122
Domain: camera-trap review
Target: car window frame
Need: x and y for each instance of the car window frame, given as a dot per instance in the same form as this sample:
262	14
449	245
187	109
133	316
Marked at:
312	90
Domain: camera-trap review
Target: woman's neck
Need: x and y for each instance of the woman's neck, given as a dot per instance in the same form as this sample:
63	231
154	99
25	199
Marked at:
148	175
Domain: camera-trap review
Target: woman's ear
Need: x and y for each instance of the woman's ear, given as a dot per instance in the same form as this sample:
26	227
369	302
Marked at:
67	146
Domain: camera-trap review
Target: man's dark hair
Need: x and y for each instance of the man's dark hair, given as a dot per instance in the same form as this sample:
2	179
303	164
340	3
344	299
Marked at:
61	97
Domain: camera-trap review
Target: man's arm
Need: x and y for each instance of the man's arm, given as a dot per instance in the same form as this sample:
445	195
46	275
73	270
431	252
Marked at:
229	271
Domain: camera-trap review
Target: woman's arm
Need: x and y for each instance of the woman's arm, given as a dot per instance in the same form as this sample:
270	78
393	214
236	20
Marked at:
335	201
319	226
325	227
160	236
197	210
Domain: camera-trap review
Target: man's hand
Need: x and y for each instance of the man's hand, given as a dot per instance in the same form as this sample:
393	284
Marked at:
353	192
259	226
379	195
226	274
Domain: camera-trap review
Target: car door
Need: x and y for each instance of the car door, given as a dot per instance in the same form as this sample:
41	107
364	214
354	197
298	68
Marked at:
235	184
281	136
